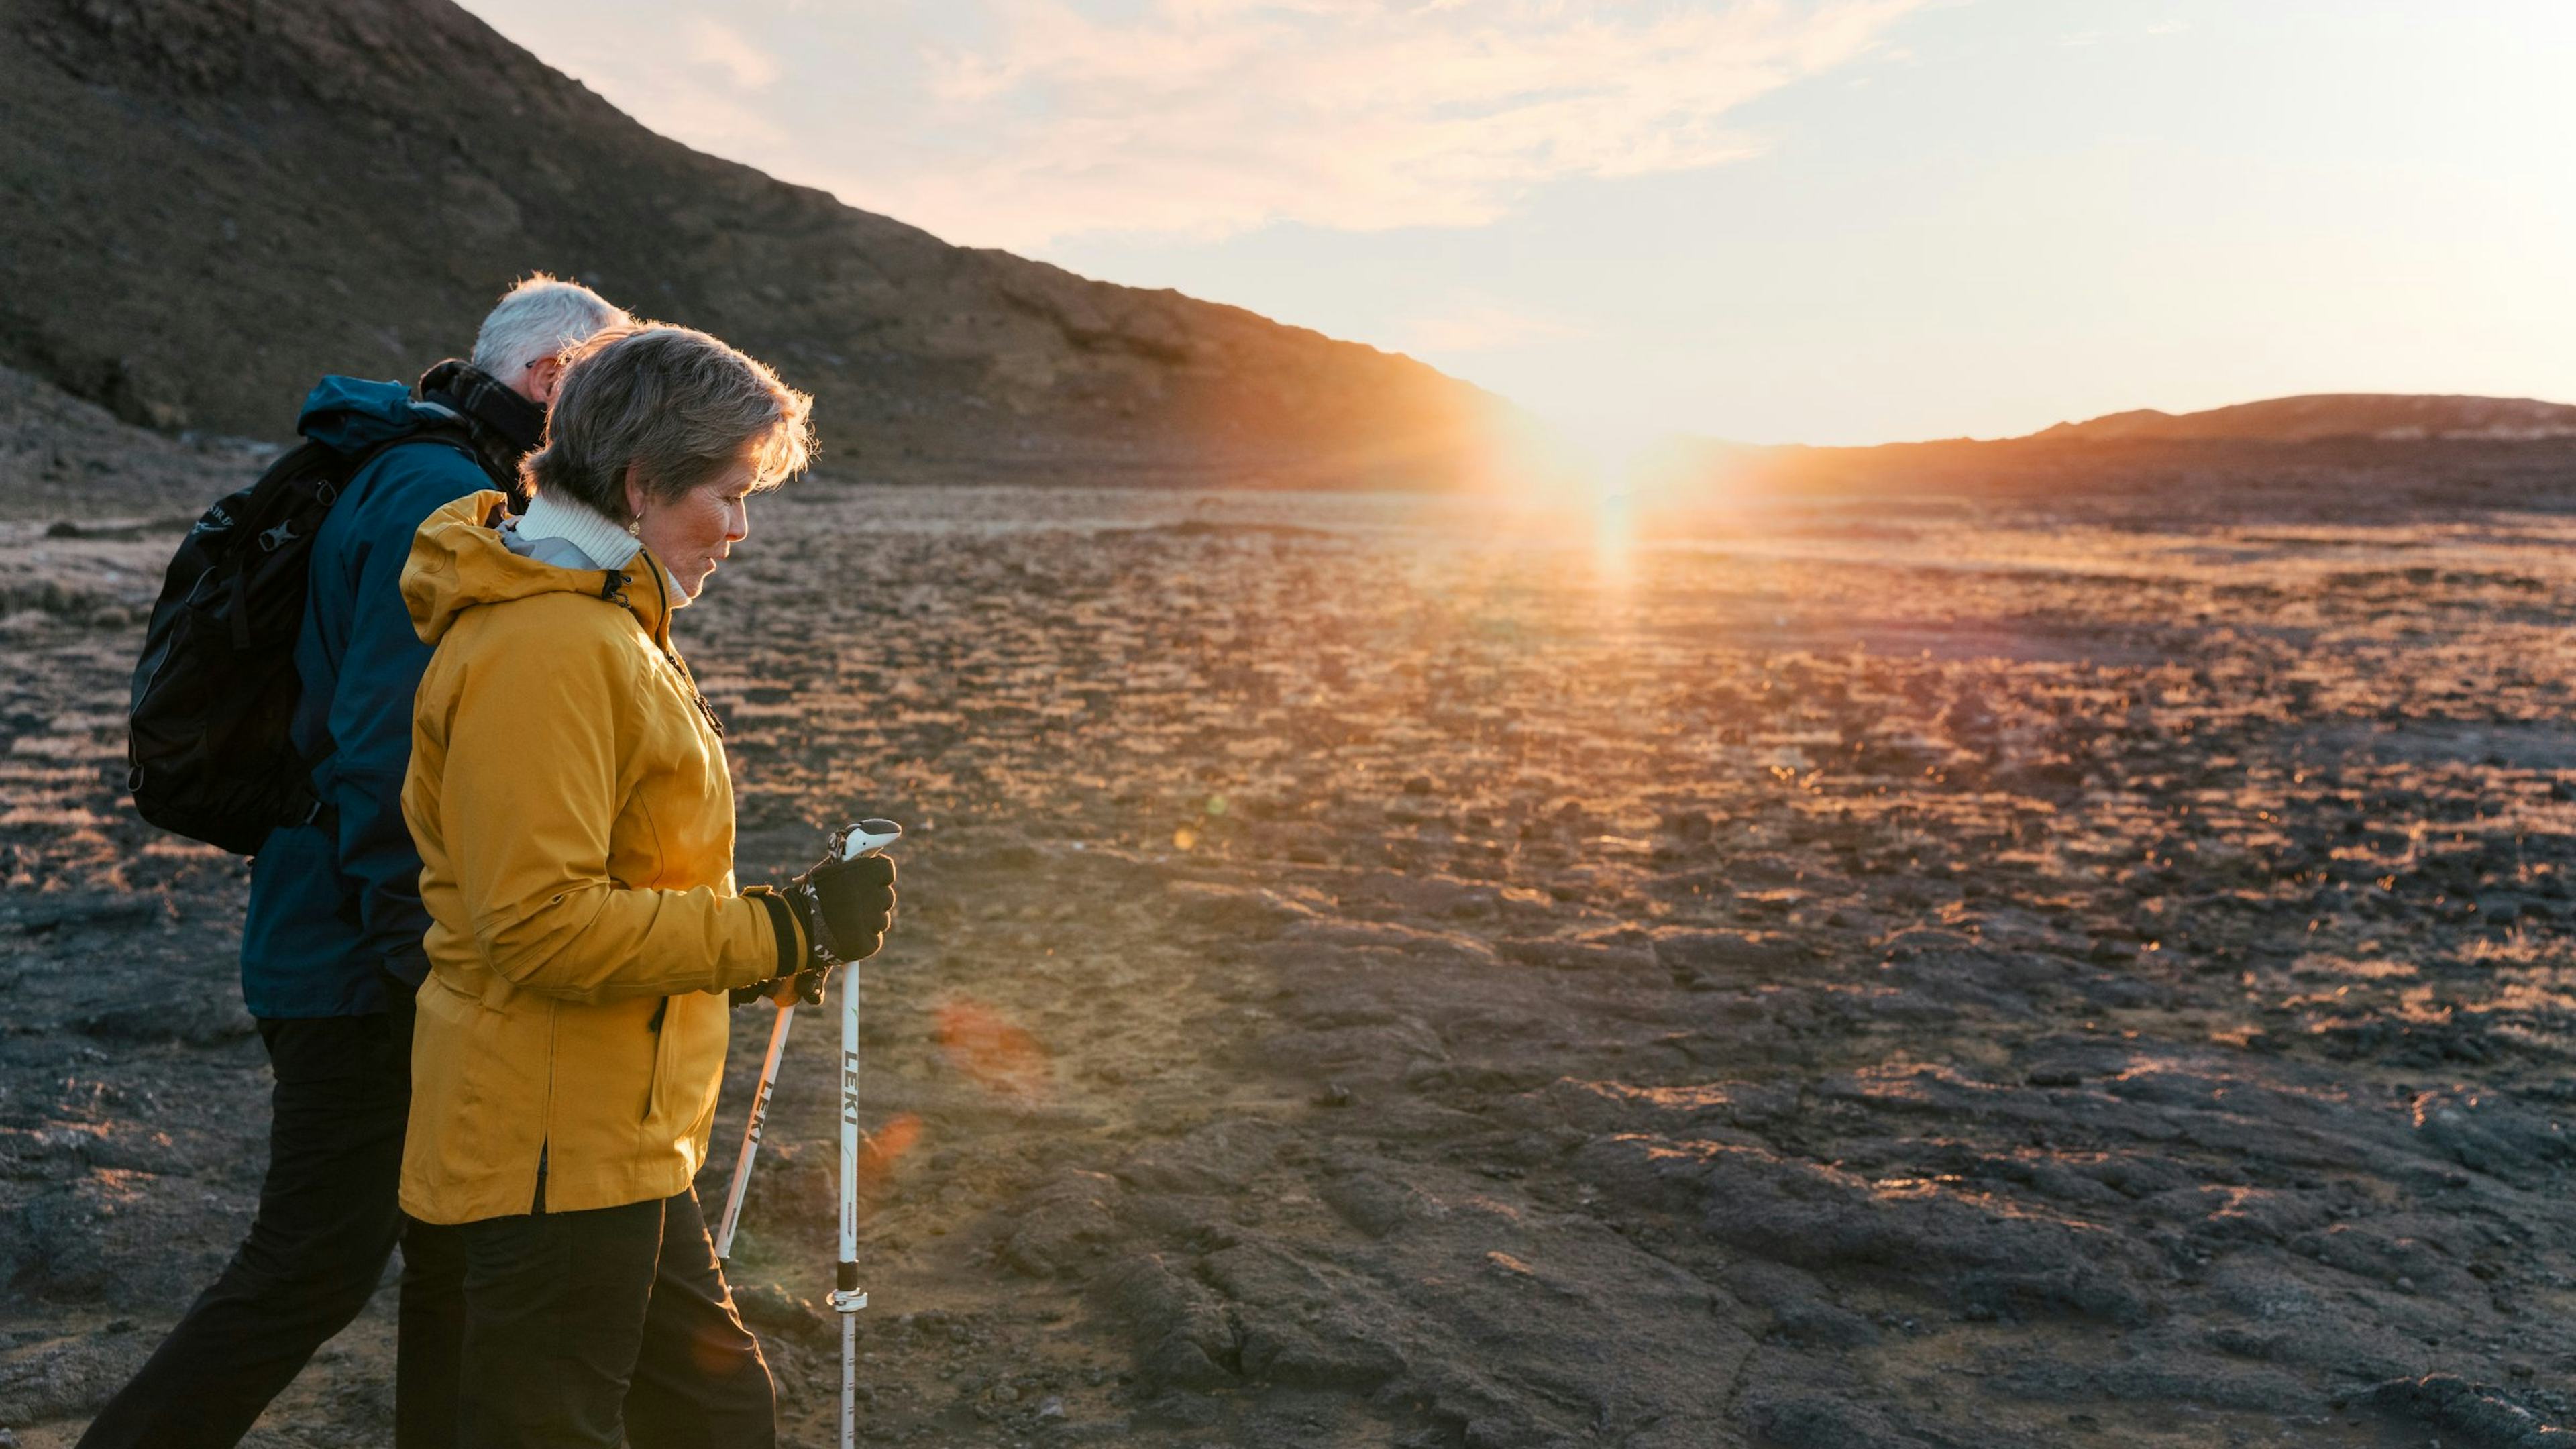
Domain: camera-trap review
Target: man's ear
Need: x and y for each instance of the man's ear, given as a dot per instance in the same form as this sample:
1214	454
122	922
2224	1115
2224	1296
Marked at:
543	374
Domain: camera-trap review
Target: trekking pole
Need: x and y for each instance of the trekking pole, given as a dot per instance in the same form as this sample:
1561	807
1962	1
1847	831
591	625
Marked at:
751	1131
847	1297
865	838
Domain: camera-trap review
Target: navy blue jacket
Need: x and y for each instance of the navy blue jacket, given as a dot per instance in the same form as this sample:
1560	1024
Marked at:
328	907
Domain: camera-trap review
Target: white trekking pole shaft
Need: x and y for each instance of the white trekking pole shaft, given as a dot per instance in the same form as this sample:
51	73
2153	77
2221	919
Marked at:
847	1298
865	838
751	1130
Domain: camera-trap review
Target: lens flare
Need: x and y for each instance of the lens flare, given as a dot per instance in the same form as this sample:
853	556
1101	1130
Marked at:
1599	475
880	1150
990	1051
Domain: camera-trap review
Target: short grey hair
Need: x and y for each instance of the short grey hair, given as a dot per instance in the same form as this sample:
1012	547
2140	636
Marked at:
676	406
537	319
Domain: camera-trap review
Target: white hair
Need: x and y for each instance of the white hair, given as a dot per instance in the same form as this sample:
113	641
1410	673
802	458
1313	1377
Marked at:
539	319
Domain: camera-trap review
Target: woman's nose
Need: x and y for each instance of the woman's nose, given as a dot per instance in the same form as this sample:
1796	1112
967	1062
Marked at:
737	522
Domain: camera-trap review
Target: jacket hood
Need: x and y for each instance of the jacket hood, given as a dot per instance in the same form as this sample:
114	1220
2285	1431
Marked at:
355	413
459	562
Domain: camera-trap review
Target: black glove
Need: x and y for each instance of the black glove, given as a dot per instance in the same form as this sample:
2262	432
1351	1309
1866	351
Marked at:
845	906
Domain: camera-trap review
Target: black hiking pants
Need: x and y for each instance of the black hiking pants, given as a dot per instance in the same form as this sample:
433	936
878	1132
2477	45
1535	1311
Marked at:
607	1327
326	1223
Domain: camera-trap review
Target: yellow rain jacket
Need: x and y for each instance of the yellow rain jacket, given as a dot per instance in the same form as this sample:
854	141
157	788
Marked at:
575	822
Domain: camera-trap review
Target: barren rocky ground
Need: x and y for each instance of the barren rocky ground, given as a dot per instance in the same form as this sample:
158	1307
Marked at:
1378	972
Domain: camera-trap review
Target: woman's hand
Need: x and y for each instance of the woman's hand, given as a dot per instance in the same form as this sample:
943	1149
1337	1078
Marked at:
846	906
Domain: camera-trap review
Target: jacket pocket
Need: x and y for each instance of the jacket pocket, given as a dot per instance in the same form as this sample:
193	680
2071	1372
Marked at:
669	1027
478	1098
688	1068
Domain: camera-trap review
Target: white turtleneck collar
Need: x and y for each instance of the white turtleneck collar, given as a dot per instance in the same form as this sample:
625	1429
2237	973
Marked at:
601	544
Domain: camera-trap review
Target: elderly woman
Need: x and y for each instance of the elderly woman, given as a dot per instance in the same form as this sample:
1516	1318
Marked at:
569	796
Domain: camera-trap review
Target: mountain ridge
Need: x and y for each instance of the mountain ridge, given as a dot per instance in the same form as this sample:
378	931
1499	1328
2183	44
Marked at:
211	202
2315	417
2324	454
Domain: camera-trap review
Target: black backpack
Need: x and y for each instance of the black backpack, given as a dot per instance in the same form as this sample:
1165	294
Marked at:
216	688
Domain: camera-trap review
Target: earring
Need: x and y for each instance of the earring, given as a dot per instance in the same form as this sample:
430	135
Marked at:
635	526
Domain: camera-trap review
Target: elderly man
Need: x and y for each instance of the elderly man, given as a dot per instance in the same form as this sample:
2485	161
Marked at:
331	946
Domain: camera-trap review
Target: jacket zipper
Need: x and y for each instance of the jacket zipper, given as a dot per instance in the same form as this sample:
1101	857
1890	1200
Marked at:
662	641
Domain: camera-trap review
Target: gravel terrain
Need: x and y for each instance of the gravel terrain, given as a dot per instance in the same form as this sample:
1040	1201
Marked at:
1390	972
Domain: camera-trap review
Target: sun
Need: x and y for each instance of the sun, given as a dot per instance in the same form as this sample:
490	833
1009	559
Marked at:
1610	471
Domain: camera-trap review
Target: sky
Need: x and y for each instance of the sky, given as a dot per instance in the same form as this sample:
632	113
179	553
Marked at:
1823	221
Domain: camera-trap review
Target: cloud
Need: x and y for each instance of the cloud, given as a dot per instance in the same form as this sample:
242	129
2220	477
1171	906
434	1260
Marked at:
694	79
725	50
1478	324
1200	119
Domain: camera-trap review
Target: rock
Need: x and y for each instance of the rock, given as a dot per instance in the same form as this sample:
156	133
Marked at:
1222	1158
1377	1205
70	1377
1178	1324
1802	1310
2474	1416
1816	1420
771	1308
1300	1326
1816	1217
1557	955
1181	1409
1255	914
2490	1133
1067	1224
2158	1376
1694	957
42	915
204	1020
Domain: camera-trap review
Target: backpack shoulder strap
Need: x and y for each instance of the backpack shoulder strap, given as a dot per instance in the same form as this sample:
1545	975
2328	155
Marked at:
451	434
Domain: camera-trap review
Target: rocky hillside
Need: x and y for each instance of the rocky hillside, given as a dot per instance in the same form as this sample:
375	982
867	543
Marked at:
2314	418
205	203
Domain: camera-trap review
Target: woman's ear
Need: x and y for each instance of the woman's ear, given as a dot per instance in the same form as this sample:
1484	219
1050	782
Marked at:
634	494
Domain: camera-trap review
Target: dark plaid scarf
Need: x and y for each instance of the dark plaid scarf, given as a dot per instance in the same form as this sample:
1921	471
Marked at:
506	427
